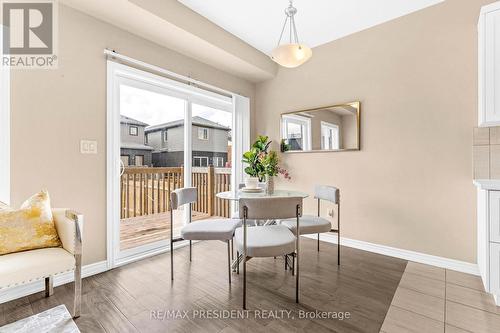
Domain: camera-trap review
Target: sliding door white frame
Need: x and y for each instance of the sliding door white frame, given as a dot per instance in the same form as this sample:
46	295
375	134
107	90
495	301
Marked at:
4	128
120	74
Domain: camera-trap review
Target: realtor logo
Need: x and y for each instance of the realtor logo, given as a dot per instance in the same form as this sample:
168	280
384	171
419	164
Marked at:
29	34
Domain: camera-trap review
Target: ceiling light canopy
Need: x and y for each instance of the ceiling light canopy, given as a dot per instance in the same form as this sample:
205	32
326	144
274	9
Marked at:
294	53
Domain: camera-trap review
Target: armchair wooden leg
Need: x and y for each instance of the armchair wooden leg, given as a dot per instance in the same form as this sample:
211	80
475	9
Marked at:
78	286
318	242
49	286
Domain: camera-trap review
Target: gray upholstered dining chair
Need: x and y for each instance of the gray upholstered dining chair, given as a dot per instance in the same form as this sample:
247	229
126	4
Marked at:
268	240
310	224
208	229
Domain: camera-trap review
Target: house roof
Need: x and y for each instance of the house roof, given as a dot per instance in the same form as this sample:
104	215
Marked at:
197	121
134	145
131	121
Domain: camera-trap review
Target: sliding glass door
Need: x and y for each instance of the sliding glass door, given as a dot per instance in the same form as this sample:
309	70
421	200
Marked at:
152	155
163	136
211	147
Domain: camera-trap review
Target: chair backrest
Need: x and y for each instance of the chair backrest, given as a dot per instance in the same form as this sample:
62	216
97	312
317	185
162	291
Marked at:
271	208
325	192
183	196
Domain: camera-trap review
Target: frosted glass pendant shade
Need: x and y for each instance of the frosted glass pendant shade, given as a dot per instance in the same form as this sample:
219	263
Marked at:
291	55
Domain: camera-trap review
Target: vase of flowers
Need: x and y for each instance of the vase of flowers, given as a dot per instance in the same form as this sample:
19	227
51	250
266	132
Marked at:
263	164
269	184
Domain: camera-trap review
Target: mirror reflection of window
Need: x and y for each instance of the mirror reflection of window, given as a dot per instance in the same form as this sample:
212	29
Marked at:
330	128
297	132
330	138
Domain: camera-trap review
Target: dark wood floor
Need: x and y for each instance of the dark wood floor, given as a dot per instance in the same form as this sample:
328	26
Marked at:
121	300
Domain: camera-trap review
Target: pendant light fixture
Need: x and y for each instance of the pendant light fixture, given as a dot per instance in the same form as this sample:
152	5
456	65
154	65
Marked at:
293	54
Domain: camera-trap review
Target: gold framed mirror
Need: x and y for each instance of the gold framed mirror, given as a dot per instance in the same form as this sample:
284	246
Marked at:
325	129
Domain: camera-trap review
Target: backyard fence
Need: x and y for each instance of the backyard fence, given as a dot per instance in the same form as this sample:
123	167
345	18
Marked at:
146	191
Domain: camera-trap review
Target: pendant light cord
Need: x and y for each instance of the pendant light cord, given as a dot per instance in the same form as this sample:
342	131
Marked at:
290	12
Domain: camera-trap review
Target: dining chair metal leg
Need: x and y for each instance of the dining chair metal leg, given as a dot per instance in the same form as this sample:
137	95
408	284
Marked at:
245	214
232	248
293	264
190	250
171	243
338	232
319	214
237	262
229	261
286	262
297	246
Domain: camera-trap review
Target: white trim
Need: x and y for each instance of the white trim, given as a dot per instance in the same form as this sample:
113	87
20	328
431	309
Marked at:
148	252
121	74
241	142
456	265
490	7
139	63
4	129
60	279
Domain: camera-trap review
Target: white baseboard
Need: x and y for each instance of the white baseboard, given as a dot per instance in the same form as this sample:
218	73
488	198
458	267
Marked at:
102	266
456	265
37	286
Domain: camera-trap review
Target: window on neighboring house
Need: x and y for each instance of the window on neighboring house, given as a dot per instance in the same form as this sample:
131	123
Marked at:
125	160
203	133
218	161
165	136
145	139
139	160
200	161
133	130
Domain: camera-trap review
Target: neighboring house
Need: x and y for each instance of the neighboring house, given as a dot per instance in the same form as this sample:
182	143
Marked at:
209	142
133	151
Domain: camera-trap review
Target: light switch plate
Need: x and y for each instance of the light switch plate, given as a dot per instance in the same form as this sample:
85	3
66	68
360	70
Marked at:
88	147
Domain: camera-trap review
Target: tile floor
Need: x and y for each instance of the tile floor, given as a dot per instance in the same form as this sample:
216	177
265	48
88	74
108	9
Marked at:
431	299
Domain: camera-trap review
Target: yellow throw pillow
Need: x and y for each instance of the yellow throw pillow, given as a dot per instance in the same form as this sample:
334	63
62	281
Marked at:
30	227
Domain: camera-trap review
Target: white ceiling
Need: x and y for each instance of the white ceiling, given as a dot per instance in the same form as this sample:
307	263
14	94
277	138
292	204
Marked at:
259	22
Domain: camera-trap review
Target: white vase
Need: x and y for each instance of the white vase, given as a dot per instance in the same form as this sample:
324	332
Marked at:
252	182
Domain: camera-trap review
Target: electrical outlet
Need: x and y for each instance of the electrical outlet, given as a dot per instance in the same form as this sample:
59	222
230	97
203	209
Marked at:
88	147
331	213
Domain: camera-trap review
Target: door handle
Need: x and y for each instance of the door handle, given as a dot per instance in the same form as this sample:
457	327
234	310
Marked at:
121	167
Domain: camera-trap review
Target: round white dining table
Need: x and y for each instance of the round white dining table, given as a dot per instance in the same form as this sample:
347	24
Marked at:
239	194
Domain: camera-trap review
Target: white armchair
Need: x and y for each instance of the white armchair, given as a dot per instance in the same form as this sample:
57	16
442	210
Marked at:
28	266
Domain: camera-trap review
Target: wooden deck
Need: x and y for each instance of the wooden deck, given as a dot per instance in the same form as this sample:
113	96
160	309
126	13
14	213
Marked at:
141	230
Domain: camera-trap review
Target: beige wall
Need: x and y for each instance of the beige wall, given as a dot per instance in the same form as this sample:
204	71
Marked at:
53	109
410	186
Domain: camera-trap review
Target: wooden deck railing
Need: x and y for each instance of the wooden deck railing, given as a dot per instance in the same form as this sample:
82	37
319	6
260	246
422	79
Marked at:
146	191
